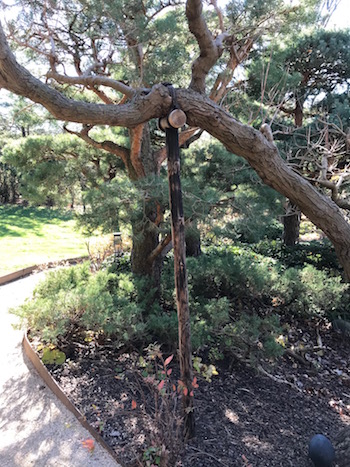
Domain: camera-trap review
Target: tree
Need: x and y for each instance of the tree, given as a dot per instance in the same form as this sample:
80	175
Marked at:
142	104
132	104
113	54
314	64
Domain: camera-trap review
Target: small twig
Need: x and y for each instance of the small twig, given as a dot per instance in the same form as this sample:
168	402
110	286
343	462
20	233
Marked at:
277	380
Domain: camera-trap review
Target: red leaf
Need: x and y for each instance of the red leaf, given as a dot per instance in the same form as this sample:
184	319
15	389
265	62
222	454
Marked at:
169	372
185	390
161	385
133	405
89	444
194	383
168	360
174	387
191	394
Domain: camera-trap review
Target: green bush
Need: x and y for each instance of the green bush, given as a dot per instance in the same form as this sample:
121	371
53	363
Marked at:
231	272
309	291
225	287
319	254
73	299
253	338
207	322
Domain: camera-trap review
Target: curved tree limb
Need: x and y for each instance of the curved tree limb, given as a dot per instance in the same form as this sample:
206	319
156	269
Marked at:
210	48
265	159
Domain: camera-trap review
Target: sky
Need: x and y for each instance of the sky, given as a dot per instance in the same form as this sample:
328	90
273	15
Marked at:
341	16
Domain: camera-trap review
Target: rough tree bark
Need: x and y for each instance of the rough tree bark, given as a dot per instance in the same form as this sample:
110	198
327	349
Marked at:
145	231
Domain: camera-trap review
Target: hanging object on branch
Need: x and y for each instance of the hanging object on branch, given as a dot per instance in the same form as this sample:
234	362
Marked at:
170	124
176	117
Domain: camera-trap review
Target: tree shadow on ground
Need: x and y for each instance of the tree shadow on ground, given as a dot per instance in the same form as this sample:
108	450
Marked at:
18	221
33	429
242	418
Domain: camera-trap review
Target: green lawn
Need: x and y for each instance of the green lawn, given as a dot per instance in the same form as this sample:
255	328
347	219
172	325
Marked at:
31	236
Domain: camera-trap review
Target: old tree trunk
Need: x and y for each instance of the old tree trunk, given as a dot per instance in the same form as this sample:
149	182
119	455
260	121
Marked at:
145	233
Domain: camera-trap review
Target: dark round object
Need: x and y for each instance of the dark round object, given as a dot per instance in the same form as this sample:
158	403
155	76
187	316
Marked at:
321	451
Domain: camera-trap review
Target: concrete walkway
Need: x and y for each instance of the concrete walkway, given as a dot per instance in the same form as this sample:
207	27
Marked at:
35	428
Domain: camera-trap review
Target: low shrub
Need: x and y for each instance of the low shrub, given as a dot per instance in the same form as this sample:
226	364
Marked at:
253	338
319	254
230	272
309	291
225	287
74	298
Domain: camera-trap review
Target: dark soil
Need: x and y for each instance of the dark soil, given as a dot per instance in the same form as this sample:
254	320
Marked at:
243	417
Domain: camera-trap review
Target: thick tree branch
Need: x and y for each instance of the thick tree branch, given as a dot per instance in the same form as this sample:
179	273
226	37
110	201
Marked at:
265	159
210	48
18	80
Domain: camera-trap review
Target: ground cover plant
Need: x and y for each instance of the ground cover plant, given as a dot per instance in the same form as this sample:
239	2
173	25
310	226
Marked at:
250	313
37	235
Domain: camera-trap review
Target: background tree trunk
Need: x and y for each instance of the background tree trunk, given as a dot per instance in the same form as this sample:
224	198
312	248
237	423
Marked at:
291	224
193	241
145	239
145	231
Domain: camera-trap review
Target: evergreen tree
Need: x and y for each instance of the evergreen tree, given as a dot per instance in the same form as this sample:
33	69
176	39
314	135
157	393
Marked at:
109	51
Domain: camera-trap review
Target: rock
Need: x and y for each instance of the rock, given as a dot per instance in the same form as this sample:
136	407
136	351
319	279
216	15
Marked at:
321	451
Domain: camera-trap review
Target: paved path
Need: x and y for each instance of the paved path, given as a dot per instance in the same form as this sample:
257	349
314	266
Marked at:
35	428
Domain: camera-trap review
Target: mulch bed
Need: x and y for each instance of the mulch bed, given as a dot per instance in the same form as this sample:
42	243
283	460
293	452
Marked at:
243	417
